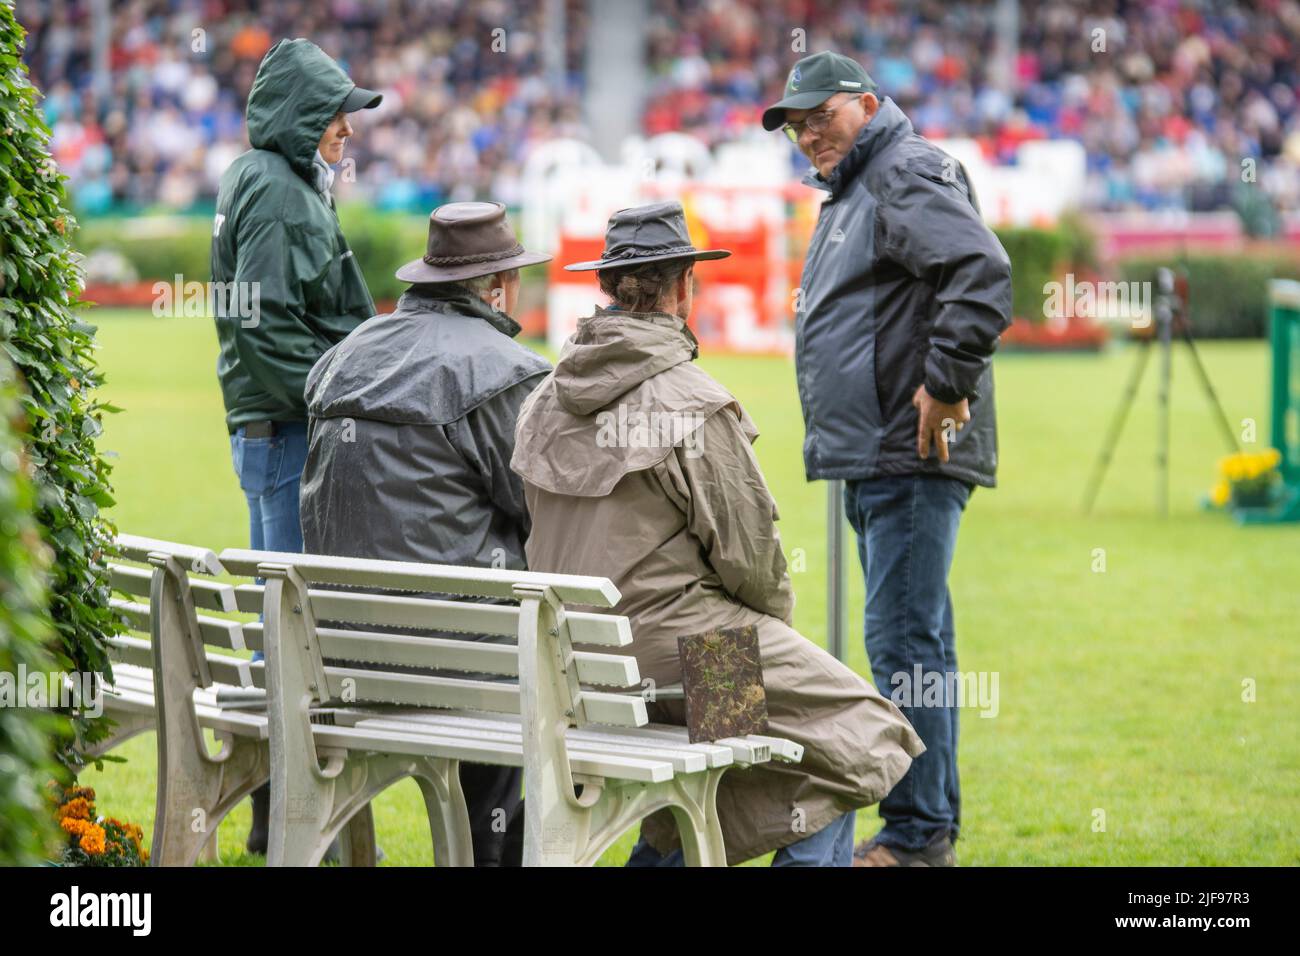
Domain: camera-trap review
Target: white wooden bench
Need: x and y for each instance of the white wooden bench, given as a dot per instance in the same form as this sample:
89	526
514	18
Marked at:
170	675
341	732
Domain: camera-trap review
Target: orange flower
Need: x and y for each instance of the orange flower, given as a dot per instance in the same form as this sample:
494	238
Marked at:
74	826
78	808
92	841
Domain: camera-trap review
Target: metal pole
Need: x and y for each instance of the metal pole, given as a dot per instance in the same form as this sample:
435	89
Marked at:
102	30
553	50
835	579
1165	329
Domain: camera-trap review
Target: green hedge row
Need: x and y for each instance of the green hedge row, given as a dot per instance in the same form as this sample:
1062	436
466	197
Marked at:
1227	291
161	248
26	735
52	349
1227	295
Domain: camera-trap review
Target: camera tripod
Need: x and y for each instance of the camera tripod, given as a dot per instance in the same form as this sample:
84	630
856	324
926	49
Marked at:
1170	319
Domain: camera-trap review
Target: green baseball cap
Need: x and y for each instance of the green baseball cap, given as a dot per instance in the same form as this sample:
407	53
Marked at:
813	80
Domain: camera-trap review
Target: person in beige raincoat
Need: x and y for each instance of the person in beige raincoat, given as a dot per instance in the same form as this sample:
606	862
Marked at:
637	466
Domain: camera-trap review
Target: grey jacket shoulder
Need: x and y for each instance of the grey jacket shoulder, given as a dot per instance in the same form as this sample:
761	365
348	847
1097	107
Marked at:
910	156
419	368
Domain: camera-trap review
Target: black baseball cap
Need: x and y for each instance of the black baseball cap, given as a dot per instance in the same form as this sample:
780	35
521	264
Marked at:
815	79
360	99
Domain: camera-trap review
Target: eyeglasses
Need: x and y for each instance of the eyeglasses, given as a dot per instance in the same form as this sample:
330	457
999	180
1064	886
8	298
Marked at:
817	122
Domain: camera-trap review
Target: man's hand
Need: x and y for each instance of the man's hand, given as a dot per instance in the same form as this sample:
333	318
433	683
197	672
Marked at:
936	420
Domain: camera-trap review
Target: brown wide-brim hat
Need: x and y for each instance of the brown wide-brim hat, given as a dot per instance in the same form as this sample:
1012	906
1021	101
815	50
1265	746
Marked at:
644	234
467	240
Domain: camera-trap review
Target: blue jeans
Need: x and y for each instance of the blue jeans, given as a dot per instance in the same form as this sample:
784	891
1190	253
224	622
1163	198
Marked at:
832	845
270	472
907	533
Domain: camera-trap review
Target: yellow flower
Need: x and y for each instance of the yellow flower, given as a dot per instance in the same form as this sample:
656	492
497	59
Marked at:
1220	493
1245	466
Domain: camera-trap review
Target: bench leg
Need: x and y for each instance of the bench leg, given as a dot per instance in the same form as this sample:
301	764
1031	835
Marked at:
211	851
696	814
357	839
197	791
444	801
691	798
309	809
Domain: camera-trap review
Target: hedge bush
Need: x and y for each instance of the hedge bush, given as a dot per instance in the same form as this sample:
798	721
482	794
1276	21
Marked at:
40	285
383	241
1227	294
158	247
161	248
26	735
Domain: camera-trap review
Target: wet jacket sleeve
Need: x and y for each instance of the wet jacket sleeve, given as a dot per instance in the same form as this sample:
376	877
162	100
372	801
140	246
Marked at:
277	346
485	438
931	229
731	512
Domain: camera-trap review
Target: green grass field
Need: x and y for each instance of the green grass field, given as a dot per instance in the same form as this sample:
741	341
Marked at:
1121	693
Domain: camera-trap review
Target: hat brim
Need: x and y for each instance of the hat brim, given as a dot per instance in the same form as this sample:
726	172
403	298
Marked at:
417	270
774	115
642	260
360	99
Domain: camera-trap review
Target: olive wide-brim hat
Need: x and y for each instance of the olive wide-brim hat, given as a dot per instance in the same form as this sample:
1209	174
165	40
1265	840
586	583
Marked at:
644	234
467	240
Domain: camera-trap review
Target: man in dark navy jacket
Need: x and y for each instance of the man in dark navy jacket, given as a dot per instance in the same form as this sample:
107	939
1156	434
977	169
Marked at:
904	294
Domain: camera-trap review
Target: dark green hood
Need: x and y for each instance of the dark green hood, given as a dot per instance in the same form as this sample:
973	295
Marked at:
297	91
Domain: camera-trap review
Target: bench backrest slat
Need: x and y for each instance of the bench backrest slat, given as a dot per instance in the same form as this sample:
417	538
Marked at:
138	548
423	578
217	632
396	610
224	668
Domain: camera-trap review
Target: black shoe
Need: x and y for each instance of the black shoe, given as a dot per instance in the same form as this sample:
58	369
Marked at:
260	831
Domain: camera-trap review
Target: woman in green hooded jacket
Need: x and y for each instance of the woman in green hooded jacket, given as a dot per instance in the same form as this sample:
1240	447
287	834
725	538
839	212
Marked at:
285	284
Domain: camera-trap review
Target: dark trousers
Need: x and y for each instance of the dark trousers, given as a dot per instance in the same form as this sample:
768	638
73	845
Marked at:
907	534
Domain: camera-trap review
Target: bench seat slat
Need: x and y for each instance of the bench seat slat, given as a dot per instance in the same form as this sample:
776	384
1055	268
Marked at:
128	701
683	759
242	722
393	740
